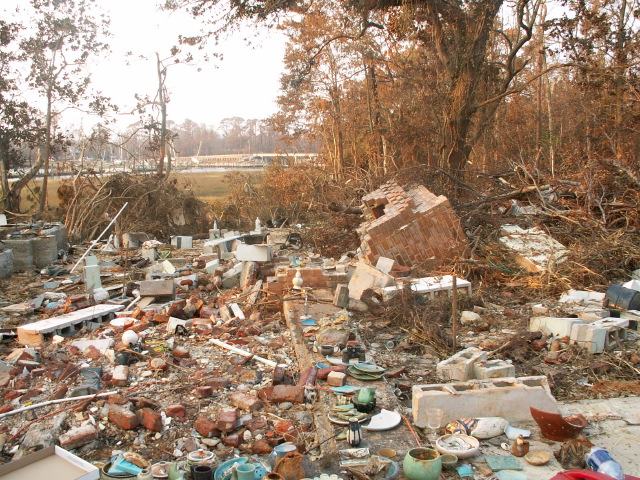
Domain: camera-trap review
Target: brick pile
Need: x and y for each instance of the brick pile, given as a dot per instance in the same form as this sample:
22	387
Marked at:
411	226
315	277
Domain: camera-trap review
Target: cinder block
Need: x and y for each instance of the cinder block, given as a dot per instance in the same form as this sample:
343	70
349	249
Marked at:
601	335
341	297
92	278
558	327
430	286
182	241
35	333
157	288
385	265
509	398
460	366
211	266
254	253
150	253
6	263
493	369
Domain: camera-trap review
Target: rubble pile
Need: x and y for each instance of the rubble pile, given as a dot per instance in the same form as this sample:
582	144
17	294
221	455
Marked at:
149	359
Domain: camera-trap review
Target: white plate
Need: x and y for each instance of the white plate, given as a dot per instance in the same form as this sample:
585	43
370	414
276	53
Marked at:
385	420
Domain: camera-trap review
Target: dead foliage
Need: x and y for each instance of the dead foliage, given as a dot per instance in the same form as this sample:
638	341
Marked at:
160	208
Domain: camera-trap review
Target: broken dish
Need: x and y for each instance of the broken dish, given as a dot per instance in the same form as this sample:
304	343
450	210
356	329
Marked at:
462	446
385	420
556	427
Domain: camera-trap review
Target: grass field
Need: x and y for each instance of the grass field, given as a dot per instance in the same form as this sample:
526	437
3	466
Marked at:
207	186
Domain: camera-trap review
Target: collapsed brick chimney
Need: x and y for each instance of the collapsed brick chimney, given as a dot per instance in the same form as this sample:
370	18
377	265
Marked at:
411	226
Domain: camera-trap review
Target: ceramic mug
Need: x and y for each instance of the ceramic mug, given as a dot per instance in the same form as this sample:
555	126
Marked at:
246	471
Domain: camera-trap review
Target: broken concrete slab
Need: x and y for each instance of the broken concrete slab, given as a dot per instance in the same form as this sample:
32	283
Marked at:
410	226
365	277
509	398
533	248
6	263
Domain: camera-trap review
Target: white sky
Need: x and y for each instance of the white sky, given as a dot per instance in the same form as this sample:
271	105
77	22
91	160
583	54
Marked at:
244	83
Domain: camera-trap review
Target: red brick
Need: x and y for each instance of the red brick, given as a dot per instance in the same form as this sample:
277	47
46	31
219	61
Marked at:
181	352
177	411
150	419
123	417
206	427
227	419
256	423
217	383
203	391
28	395
261	447
232	440
245	401
13	394
77	437
7	407
60	392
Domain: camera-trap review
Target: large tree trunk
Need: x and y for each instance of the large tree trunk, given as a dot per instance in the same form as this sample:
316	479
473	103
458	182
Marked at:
13	196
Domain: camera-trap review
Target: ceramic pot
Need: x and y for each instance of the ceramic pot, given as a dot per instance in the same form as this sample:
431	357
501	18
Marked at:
422	464
145	474
273	476
204	472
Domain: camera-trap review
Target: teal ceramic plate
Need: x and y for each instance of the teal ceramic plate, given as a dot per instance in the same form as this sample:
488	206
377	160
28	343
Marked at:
369	368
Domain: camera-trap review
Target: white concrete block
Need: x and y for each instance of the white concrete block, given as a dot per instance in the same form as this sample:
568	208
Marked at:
558	327
120	376
509	398
92	278
493	369
460	366
601	335
90	260
385	264
231	234
430	286
366	276
211	266
3	219
539	309
182	241
168	267
254	253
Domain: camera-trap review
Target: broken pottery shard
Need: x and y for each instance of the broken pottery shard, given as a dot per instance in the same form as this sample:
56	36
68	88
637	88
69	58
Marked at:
556	427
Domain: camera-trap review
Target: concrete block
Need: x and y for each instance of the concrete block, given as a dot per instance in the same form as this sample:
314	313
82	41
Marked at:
231	235
6	263
431	287
600	335
182	241
385	264
36	333
341	297
3	219
90	260
231	278
558	327
168	267
460	366
92	278
158	288
367	276
131	240
254	253
22	253
150	253
214	233
45	250
493	369
540	309
509	398
211	266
